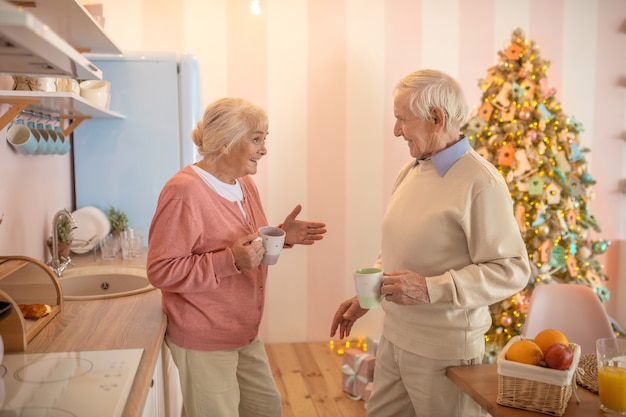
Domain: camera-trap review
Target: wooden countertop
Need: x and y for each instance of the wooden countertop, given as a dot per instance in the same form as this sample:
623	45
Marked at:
135	321
481	383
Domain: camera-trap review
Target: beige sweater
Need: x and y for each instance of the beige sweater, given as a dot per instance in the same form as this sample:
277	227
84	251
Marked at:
458	230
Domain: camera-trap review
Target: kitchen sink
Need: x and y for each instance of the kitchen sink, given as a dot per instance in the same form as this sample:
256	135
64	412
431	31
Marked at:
98	282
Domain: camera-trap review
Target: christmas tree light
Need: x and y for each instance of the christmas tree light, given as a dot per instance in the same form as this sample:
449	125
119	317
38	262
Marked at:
521	129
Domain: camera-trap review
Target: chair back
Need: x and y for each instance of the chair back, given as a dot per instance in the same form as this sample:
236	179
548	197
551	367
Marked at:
573	309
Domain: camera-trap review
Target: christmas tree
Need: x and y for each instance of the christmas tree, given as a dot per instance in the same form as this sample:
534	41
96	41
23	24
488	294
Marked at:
521	129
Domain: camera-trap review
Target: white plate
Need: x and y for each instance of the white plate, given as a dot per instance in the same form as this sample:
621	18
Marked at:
91	223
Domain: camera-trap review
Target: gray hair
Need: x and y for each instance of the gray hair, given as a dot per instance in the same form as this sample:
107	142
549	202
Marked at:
431	88
224	123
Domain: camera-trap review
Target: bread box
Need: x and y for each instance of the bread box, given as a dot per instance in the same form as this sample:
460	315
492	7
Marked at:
25	280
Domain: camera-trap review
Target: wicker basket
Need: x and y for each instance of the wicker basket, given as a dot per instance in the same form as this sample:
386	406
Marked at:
535	388
587	375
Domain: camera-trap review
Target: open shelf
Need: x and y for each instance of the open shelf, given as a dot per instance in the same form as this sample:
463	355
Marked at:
67	106
72	22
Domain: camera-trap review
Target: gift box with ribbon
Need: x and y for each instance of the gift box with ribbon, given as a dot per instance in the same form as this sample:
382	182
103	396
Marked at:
367	392
357	370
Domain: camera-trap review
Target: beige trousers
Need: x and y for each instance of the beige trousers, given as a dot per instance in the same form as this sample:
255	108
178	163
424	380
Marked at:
409	385
227	383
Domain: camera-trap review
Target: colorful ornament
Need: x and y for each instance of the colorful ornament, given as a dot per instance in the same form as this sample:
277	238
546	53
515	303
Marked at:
572	268
485	111
529	89
526	113
523	165
562	162
574	153
553	193
571	217
476	124
575	188
603	293
545	250
505	320
600	246
557	257
513	52
586	178
502	98
535	185
506	155
539	220
545	112
507	114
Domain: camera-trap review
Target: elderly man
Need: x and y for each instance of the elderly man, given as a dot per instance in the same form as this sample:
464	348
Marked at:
450	247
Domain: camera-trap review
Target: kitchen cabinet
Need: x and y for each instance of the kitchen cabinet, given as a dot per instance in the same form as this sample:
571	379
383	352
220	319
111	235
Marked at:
48	39
164	398
171	382
25	280
155	401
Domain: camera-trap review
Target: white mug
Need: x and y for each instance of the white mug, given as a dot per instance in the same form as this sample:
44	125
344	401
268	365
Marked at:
42	145
46	139
22	138
273	240
368	282
63	142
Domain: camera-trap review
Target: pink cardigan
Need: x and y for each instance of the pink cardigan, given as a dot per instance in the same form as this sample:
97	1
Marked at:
210	304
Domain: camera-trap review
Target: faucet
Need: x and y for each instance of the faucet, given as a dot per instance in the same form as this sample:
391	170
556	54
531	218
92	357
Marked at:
56	263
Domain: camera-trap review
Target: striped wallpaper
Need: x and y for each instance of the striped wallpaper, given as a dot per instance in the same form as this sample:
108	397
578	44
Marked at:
325	71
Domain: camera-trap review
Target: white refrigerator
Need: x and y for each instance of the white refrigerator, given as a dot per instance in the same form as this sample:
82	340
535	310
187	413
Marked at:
125	162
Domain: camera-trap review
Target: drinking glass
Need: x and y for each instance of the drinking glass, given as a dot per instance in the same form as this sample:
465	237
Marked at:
611	353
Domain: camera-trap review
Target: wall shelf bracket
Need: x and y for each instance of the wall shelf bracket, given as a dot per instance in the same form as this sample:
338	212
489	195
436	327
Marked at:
17	105
74	121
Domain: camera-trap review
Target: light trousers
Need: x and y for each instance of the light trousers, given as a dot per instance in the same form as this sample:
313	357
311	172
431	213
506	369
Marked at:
227	383
409	385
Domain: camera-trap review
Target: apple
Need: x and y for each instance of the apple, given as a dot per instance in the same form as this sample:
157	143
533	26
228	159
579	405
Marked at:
558	356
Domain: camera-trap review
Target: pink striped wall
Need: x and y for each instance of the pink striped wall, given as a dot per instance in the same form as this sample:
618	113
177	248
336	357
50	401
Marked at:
325	72
325	154
608	159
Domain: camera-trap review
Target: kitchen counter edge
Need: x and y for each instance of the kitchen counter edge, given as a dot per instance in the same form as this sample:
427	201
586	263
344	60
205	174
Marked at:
130	322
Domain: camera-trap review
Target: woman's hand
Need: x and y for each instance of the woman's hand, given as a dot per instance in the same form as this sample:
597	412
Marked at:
347	314
248	252
301	232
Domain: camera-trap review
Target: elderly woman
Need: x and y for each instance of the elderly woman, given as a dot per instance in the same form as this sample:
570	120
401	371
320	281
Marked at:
204	257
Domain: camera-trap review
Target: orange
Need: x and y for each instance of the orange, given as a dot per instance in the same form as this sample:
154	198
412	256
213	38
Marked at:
524	351
548	337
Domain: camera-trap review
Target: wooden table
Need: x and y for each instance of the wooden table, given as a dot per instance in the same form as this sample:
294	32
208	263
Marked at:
481	383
